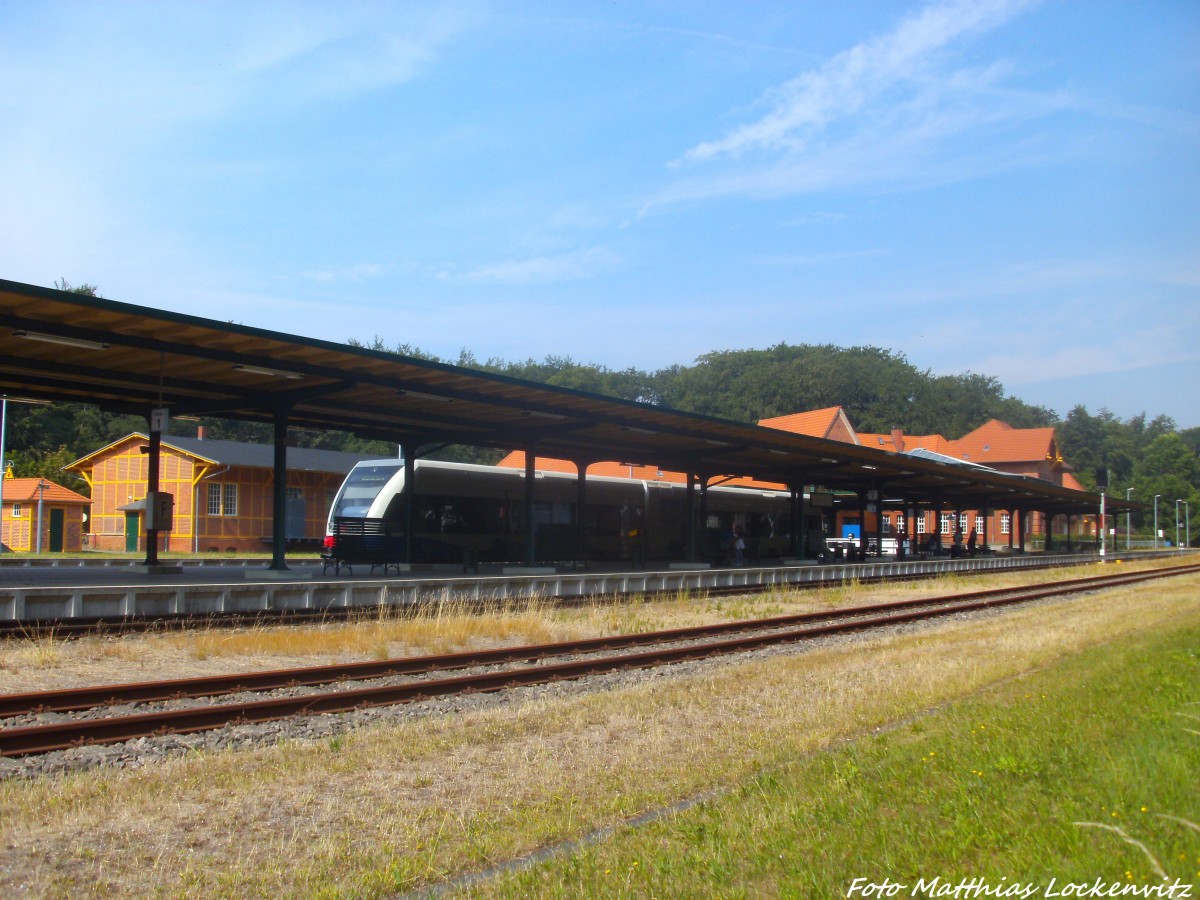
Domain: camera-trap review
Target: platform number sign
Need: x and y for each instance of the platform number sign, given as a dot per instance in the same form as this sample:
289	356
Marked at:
159	420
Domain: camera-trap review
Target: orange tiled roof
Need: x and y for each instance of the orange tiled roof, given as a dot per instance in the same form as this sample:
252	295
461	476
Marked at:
516	460
25	490
934	442
1070	481
878	441
999	442
822	423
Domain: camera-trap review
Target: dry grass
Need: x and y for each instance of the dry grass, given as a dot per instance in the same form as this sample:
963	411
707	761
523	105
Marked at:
390	807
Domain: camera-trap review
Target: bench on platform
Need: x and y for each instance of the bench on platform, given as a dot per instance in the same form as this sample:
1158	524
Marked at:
363	541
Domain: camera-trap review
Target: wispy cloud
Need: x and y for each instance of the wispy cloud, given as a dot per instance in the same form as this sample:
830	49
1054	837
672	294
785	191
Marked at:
576	265
107	111
345	274
871	113
344	51
820	259
181	63
856	78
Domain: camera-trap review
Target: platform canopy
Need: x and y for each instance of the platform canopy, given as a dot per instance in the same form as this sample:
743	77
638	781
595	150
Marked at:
63	346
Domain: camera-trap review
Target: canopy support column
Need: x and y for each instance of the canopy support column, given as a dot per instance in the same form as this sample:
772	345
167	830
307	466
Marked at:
154	452
279	513
878	502
530	528
581	467
409	452
799	528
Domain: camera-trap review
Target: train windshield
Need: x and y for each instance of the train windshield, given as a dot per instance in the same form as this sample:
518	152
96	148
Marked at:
362	486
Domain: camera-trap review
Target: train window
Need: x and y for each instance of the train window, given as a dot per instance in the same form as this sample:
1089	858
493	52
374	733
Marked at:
459	515
603	521
547	512
362	485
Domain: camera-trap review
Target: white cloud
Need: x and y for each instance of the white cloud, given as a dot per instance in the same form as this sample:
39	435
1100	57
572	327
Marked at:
821	259
855	78
890	110
354	273
106	112
574	266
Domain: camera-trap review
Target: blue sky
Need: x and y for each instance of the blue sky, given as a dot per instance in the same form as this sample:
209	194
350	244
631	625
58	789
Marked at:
1006	187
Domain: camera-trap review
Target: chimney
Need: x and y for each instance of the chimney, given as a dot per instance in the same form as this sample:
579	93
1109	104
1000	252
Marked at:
898	439
199	432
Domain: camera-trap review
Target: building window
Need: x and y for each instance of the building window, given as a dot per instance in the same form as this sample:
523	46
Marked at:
900	523
1005	523
222	499
962	522
295	493
921	524
887	525
979	524
947	523
16	511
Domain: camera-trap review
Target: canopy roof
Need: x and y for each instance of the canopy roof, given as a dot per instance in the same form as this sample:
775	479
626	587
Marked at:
62	346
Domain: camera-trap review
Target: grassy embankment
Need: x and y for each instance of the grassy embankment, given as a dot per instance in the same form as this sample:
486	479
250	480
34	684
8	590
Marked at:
1088	769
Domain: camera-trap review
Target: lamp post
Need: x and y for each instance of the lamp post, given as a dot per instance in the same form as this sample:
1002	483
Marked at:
1177	502
1128	516
1156	496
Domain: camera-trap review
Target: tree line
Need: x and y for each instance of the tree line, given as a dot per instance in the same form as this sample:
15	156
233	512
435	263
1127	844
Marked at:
879	389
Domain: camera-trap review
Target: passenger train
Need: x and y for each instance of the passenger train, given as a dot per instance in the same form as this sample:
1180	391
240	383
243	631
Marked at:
463	511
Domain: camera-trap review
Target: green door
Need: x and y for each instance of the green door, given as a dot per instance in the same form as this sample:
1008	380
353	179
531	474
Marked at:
58	518
132	521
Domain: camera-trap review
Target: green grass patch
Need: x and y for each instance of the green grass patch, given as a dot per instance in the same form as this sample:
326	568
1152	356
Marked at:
1044	782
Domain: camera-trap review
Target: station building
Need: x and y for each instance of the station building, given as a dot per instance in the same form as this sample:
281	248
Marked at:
33	503
223	493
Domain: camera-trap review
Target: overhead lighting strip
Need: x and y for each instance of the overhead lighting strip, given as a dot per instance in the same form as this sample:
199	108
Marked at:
60	339
262	370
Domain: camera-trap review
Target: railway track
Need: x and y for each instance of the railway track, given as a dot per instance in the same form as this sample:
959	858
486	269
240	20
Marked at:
104	720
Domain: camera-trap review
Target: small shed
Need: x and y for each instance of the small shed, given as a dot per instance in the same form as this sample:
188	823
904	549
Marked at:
38	506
